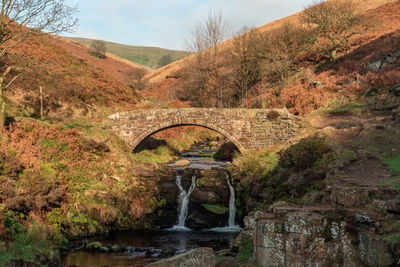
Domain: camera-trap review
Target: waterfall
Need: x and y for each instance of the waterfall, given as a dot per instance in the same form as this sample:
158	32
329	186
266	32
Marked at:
184	201
232	207
231	227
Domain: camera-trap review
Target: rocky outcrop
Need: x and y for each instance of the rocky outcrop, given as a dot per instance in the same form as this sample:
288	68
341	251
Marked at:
320	237
211	188
203	257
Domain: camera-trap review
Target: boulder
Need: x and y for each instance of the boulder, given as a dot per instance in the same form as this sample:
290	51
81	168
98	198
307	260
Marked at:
201	218
182	163
374	66
204	257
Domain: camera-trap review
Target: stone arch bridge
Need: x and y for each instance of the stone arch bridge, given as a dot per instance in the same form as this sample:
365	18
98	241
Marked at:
247	128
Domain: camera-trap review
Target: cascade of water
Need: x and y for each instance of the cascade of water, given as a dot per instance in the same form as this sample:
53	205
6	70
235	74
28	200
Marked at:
232	207
231	227
184	201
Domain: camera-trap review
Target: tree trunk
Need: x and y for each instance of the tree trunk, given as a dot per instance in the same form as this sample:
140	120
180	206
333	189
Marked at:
2	111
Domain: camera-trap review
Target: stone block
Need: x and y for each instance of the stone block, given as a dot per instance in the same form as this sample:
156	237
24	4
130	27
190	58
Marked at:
349	196
304	223
374	252
269	257
204	257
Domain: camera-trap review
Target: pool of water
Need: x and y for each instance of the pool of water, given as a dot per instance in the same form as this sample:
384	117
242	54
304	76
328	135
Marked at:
138	242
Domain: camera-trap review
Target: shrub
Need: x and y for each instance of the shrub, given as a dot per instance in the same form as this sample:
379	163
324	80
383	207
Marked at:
305	154
246	248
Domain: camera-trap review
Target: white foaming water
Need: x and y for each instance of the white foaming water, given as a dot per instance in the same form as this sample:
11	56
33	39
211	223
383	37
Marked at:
232	211
232	207
183	203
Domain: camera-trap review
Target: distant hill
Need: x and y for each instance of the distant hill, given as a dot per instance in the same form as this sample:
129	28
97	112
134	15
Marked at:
147	56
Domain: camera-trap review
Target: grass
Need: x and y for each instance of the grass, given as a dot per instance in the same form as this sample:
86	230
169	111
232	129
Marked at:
344	109
246	248
394	163
258	163
217	209
162	154
147	56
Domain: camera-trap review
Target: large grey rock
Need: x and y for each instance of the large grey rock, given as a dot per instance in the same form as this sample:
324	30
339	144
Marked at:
305	238
203	257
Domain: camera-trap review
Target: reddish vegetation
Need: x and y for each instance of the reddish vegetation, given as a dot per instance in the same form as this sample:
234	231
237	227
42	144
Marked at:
345	77
72	83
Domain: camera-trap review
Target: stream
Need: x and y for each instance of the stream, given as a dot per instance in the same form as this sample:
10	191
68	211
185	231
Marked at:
139	248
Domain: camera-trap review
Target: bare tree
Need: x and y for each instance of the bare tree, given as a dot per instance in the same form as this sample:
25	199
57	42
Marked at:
335	22
245	62
281	47
98	49
38	16
202	71
135	79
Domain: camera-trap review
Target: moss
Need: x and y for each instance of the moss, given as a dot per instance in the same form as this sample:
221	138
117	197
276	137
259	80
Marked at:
217	209
348	108
245	250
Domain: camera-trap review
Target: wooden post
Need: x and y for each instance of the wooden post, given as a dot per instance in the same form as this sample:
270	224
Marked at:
41	102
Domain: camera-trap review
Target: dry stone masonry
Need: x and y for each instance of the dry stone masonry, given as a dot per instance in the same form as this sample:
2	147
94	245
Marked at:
247	128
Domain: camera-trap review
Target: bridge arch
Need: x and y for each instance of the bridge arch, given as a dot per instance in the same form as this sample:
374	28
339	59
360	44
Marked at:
173	124
248	129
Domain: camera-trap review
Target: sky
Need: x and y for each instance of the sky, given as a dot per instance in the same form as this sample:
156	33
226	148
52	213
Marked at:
166	23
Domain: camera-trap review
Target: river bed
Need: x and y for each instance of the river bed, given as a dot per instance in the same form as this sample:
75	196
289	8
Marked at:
144	247
155	241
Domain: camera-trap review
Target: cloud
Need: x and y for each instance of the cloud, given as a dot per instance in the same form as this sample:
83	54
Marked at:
166	23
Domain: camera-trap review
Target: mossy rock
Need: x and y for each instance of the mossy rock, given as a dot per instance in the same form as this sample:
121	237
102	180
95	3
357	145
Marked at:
94	245
216	209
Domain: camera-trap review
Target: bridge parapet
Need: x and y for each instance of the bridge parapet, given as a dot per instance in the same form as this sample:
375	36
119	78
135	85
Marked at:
247	128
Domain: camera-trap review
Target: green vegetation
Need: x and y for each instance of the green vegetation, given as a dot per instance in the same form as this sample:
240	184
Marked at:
35	244
304	154
348	108
245	250
161	154
217	209
147	56
394	162
256	164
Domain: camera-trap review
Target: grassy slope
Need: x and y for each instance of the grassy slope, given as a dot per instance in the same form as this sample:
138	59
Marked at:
148	56
73	87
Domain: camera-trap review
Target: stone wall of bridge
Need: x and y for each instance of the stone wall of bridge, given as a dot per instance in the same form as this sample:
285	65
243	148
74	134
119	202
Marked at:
247	128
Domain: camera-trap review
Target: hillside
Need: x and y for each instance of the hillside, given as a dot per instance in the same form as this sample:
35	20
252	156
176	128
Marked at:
385	11
146	56
75	84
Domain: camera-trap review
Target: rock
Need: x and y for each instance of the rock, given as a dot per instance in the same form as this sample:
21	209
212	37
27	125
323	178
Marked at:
374	66
115	248
203	257
314	84
396	91
374	252
104	249
182	163
200	219
94	245
349	196
203	196
371	91
167	252
225	253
